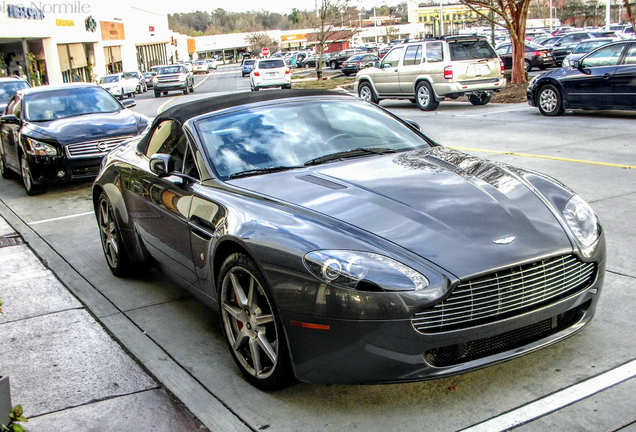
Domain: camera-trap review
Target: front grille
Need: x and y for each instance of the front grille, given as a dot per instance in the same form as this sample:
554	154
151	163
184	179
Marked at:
94	148
465	352
168	79
507	293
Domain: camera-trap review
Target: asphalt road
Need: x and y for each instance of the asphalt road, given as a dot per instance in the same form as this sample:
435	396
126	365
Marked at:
581	384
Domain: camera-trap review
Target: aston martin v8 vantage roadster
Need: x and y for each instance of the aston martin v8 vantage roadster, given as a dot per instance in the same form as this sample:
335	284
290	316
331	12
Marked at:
339	244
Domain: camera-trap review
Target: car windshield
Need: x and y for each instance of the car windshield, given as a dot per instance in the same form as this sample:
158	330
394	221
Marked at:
170	70
200	63
585	47
57	104
8	88
271	64
470	49
292	134
109	79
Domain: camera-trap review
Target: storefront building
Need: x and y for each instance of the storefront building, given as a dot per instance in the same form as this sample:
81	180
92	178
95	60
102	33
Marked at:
80	41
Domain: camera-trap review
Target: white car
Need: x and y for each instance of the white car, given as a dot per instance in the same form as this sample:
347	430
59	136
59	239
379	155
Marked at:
211	63
270	73
120	85
200	66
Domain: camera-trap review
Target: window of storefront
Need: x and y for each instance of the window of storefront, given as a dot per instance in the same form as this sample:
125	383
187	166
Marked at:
112	55
74	62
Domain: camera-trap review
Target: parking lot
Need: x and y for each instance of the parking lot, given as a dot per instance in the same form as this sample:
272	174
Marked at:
180	341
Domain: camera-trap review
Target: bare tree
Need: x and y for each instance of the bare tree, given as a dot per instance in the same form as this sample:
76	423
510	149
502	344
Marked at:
261	40
513	15
328	22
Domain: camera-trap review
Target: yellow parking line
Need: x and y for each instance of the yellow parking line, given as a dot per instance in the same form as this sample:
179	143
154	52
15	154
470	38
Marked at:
546	157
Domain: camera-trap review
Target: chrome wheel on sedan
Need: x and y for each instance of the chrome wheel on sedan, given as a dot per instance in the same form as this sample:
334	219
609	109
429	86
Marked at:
27	178
550	101
252	330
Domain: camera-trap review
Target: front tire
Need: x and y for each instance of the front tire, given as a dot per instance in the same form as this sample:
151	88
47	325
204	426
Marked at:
334	65
27	179
186	90
252	327
425	97
549	101
366	93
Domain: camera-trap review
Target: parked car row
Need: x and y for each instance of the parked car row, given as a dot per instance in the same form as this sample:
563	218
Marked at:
124	84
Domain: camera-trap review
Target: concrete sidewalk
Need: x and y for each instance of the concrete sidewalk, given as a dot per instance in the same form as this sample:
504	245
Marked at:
65	370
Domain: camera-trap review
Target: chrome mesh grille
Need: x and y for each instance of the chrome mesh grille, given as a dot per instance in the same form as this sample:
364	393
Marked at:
506	293
94	148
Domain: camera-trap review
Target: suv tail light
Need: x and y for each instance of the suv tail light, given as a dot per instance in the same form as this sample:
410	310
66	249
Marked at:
448	72
287	72
256	73
502	66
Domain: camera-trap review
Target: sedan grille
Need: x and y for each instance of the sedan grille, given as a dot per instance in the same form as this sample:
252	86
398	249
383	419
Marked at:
507	293
94	148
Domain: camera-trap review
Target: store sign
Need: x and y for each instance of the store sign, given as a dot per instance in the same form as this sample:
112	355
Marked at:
112	30
64	23
22	12
293	37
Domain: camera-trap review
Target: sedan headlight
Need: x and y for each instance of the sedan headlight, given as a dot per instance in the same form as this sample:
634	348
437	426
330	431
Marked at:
37	148
566	62
582	221
363	270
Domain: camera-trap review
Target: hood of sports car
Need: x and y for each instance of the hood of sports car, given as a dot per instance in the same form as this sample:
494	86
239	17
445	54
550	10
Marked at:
460	212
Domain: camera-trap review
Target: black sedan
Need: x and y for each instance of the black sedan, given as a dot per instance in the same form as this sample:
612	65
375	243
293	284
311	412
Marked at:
354	63
341	245
603	79
536	56
61	133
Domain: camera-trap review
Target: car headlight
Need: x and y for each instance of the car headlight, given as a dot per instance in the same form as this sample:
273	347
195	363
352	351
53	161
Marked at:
363	270
155	80
582	221
37	148
566	62
182	77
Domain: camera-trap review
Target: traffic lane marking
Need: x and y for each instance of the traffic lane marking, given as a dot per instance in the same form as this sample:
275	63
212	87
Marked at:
545	157
557	400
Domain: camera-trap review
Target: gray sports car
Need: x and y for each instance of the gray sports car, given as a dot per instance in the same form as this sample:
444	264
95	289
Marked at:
341	245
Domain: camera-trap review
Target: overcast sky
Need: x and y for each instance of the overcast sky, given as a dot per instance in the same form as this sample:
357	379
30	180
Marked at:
280	6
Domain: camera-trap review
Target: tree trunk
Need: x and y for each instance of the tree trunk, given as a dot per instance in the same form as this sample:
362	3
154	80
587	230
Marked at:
319	62
518	56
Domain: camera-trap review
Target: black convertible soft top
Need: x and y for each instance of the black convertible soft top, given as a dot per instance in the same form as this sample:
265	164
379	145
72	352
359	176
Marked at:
186	111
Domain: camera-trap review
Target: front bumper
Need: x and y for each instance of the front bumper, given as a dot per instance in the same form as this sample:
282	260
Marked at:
369	352
53	169
161	87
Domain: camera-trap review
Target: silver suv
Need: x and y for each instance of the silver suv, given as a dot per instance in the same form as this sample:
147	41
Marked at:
428	71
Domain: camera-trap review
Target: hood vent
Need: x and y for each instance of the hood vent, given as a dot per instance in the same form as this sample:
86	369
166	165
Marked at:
321	182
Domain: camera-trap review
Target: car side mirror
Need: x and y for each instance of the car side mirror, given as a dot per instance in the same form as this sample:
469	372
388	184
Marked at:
10	119
161	164
129	103
376	64
415	125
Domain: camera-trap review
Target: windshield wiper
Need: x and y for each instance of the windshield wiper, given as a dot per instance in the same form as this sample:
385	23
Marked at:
257	171
348	154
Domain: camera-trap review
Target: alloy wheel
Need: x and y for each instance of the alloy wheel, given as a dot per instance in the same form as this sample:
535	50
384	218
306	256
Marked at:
109	233
249	322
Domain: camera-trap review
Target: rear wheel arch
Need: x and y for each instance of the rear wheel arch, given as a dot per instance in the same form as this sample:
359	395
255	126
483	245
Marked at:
430	83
